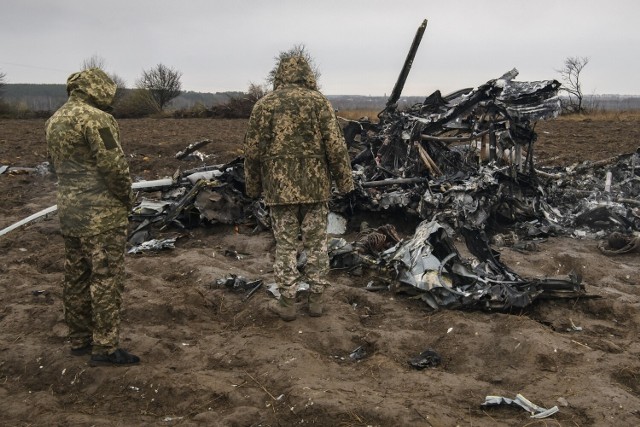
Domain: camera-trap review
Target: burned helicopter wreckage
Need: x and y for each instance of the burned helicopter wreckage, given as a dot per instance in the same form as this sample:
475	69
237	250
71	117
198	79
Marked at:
463	164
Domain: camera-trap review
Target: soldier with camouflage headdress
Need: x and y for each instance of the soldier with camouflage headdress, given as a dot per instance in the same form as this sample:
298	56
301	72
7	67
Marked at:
294	146
94	199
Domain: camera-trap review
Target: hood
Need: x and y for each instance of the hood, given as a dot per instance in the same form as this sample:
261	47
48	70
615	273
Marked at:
294	70
92	85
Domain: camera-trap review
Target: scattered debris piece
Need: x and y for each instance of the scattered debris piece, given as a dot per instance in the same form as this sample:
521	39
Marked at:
372	287
359	353
40	292
42	169
574	327
150	208
535	410
154	185
274	291
153	245
202	196
374	241
238	283
234	254
427	359
36	216
253	290
191	150
618	243
336	224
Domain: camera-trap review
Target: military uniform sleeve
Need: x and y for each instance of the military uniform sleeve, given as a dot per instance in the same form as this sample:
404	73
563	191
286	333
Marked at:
252	174
336	149
103	137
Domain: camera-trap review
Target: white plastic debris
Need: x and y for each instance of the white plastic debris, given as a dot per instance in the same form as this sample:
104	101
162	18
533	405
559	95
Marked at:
336	224
535	410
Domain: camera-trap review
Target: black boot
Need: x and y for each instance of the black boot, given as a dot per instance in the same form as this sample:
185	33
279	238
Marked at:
119	357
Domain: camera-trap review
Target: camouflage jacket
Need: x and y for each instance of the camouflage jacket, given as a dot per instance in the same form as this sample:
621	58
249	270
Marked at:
94	185
294	144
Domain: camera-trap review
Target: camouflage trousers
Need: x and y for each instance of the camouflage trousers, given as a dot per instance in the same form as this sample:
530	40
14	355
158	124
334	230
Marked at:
92	289
309	221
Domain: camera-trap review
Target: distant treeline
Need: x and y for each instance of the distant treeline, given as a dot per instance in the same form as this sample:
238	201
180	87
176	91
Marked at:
35	97
612	102
49	97
370	103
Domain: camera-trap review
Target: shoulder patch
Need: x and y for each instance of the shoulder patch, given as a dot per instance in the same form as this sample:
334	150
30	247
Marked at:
108	139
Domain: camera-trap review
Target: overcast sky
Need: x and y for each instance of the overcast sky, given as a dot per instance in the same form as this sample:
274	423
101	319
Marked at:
359	46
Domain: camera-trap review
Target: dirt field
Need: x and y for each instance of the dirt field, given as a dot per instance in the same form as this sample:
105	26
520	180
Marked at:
210	358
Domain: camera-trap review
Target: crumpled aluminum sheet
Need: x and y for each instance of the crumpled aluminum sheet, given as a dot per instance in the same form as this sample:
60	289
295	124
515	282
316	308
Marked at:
153	245
429	266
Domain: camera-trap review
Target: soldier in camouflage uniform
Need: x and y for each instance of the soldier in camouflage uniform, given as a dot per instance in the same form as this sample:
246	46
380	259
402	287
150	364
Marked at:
293	148
94	199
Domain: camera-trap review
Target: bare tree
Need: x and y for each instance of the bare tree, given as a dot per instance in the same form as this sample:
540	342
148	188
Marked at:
121	85
4	107
94	61
572	86
256	91
2	81
296	50
163	84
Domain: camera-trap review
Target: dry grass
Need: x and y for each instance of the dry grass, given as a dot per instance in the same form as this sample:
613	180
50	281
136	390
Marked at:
616	116
358	114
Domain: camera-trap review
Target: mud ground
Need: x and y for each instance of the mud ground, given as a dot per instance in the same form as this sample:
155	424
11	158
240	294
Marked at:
210	358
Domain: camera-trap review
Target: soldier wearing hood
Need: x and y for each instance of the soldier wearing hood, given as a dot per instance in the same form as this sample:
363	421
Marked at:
94	198
294	148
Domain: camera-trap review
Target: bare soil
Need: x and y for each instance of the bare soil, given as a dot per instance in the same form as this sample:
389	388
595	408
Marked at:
211	358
